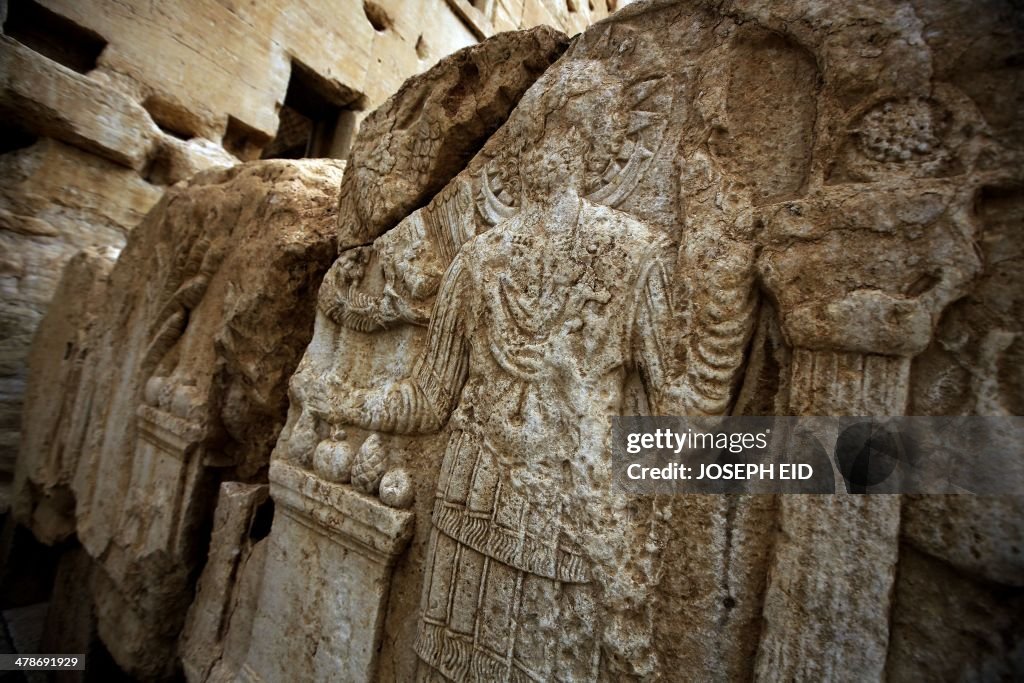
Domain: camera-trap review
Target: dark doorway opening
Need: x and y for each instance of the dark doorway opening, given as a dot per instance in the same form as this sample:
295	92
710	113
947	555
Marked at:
53	35
317	118
13	136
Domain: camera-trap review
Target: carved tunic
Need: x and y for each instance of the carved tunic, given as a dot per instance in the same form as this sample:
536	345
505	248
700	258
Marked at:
532	339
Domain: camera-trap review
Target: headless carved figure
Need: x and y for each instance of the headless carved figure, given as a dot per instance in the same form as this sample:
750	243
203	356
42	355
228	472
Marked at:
535	568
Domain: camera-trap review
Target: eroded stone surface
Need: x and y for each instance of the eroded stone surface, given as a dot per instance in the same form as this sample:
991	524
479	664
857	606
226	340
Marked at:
241	520
706	208
813	185
425	133
141	92
307	628
43	500
188	377
52	101
42	225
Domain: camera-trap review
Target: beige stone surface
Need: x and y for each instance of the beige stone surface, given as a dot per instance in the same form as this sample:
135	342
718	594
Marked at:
242	509
247	586
412	145
700	208
43	500
56	201
814	186
192	370
177	89
306	628
246	71
57	102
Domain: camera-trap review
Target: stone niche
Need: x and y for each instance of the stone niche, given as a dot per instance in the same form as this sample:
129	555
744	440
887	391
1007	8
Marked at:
698	208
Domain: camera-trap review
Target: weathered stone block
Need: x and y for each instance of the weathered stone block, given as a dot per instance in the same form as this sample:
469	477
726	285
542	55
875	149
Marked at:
216	610
43	500
192	370
315	630
60	103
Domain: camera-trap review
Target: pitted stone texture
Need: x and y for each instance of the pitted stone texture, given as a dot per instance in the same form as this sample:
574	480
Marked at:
409	147
189	374
700	208
43	500
949	626
162	102
979	536
815	183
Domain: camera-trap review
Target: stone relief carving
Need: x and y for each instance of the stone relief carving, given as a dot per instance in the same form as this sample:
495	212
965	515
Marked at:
395	281
700	208
43	500
411	273
911	137
813	243
420	138
188	380
560	280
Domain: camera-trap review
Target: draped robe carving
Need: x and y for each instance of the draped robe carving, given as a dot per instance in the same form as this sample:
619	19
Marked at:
536	329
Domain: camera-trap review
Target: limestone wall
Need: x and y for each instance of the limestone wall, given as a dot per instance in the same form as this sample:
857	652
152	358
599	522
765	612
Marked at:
103	104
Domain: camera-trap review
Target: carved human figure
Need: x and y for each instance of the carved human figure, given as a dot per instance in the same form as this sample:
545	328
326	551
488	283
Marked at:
410	272
536	570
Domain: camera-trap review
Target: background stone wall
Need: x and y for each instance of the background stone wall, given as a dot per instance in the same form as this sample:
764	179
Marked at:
104	104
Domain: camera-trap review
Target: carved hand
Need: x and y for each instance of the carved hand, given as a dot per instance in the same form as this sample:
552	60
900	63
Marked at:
334	405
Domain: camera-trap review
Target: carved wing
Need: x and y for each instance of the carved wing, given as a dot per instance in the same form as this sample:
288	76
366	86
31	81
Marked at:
650	104
494	200
450	220
356	311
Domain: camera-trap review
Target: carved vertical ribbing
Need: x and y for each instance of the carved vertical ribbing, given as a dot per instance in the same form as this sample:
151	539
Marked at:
837	383
826	610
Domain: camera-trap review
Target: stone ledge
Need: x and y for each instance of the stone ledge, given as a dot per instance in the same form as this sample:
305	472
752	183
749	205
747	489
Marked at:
53	100
168	432
352	519
473	18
